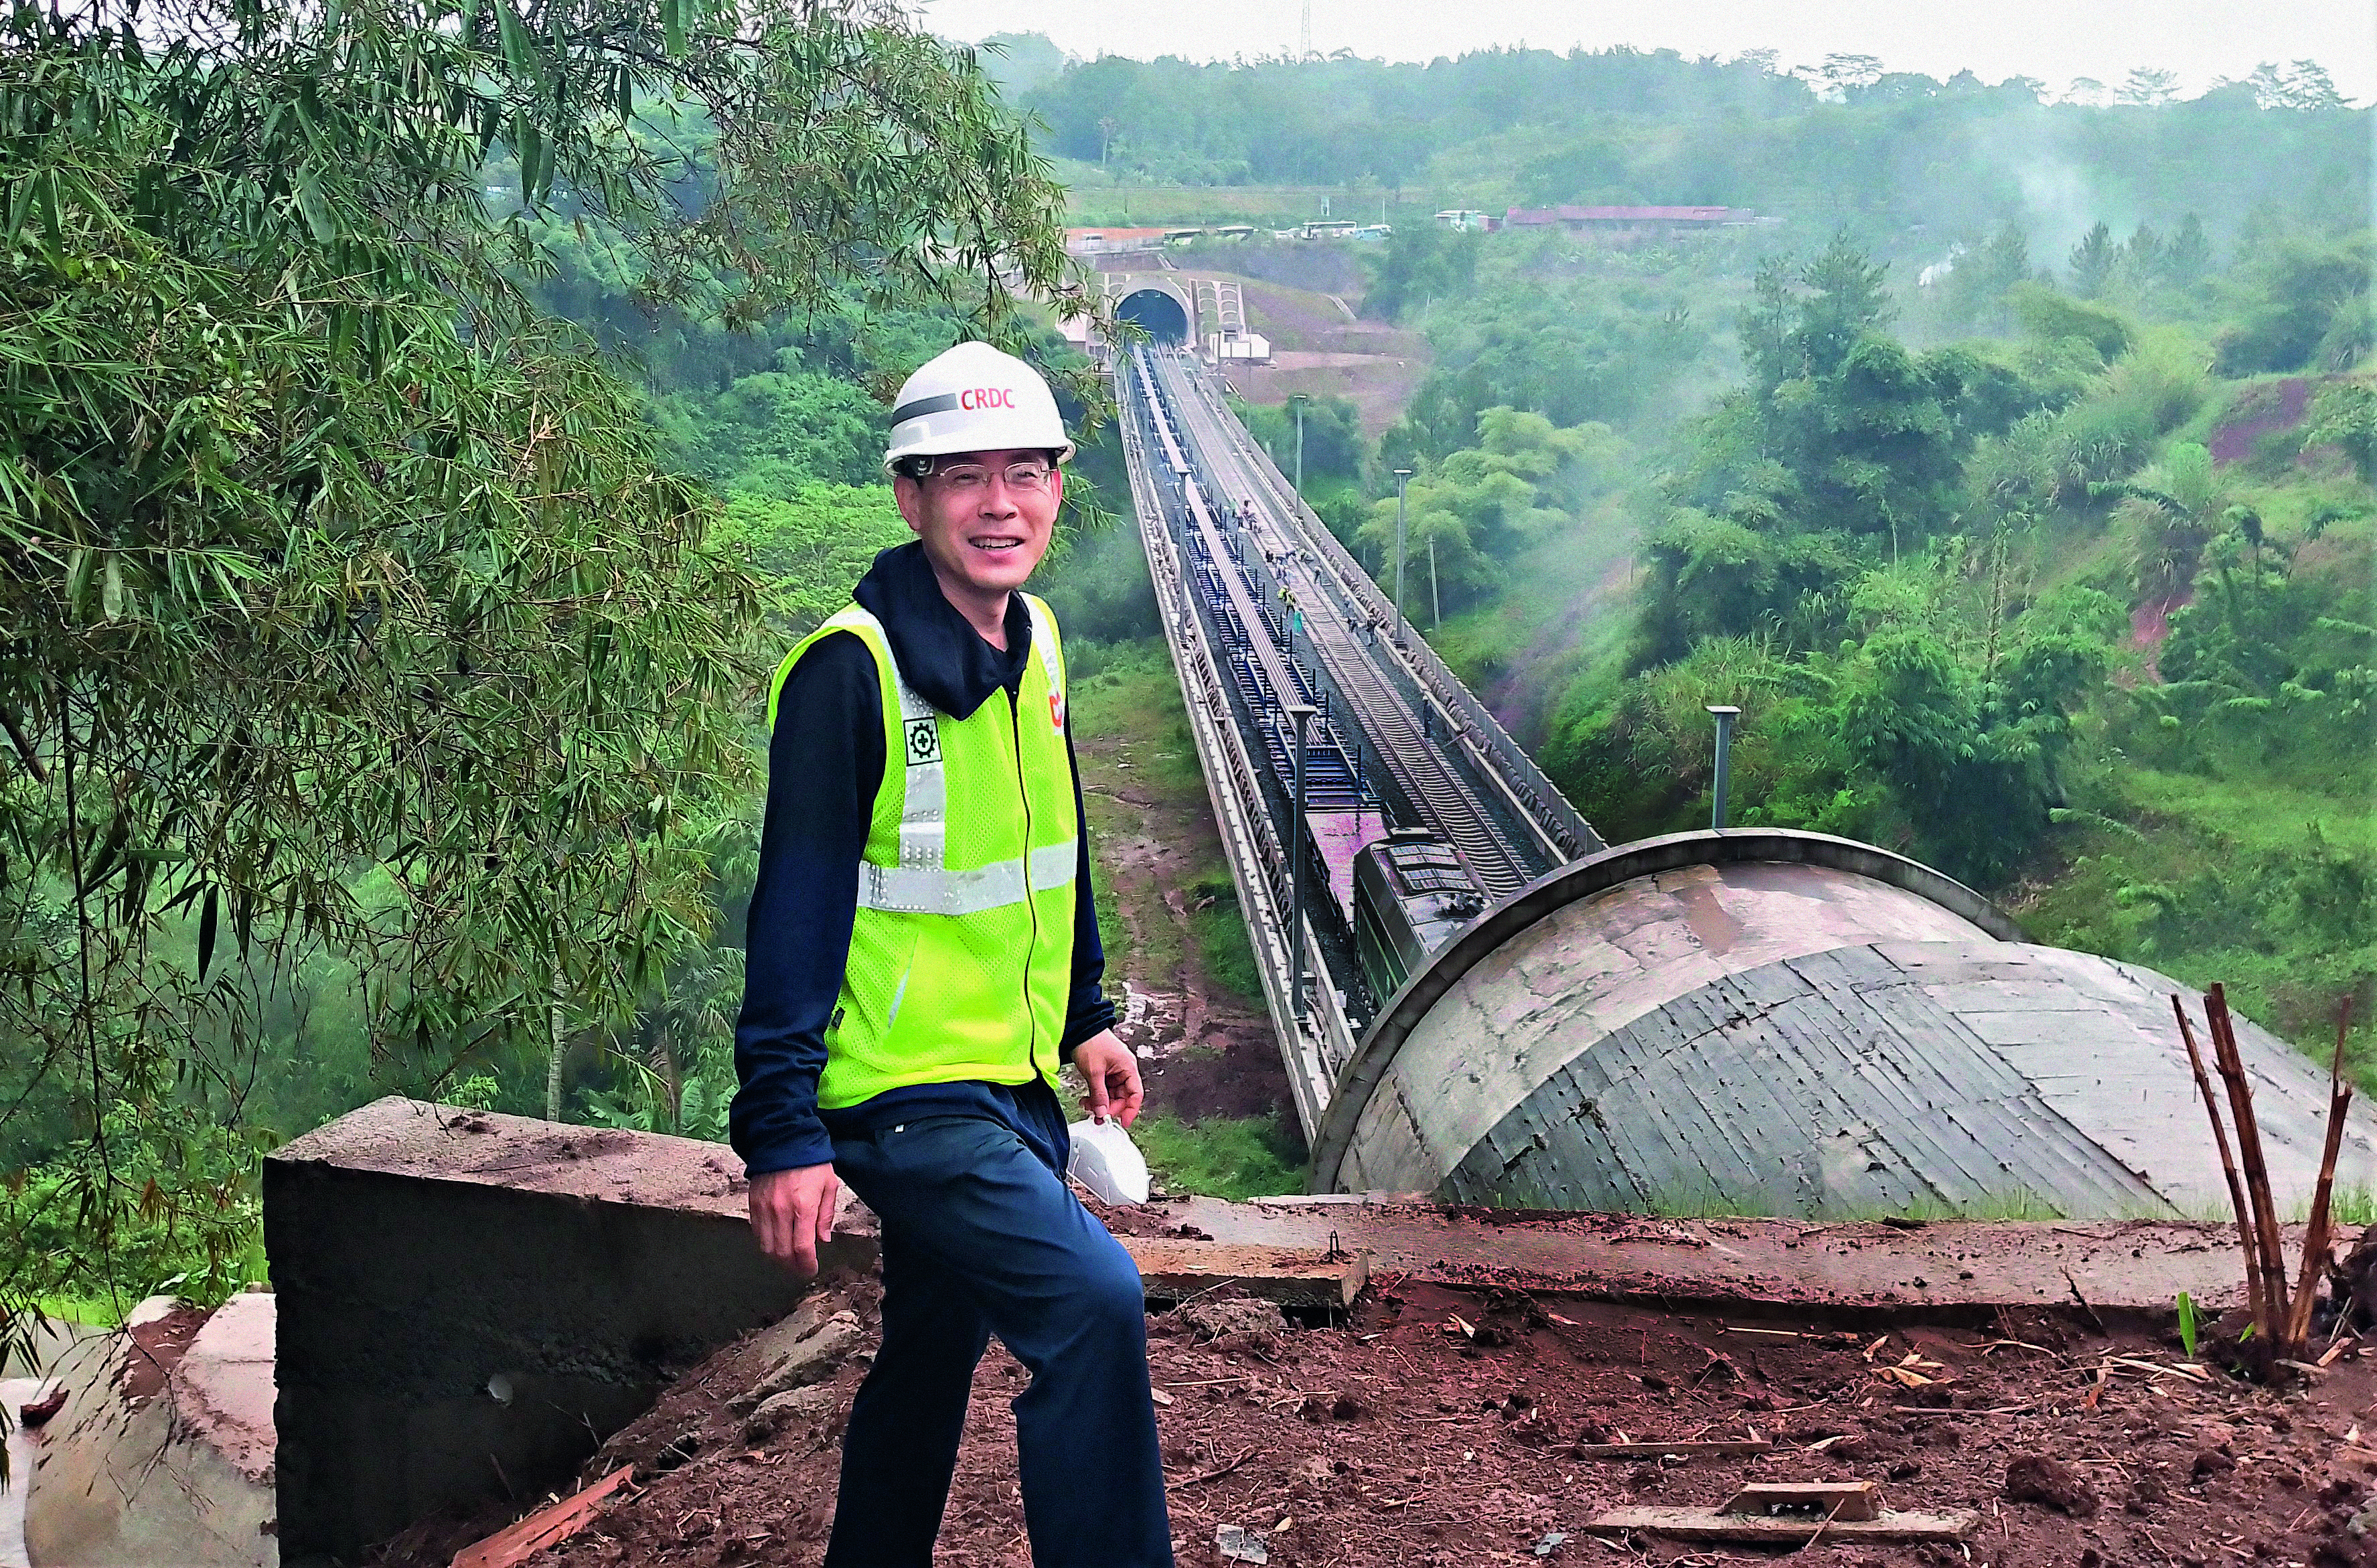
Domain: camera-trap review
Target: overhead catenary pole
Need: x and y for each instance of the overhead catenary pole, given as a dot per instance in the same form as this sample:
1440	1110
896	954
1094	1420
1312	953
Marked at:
1403	478
1720	786
1301	714
1296	401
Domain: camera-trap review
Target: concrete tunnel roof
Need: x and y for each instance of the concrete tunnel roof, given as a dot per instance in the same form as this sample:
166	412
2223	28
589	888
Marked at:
1764	1020
1123	289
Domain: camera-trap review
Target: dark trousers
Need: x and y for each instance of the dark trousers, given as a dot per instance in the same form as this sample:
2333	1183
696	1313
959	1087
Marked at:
981	1237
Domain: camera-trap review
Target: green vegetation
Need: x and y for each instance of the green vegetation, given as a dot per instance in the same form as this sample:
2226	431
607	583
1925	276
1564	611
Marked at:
1223	1156
1130	701
378	692
1219	929
427	424
1916	570
1169	140
2033	535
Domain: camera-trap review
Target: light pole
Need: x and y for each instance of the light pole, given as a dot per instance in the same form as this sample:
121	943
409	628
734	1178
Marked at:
1296	401
1402	477
1719	786
1301	712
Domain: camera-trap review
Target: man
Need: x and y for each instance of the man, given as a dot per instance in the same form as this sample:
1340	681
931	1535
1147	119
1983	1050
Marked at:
923	955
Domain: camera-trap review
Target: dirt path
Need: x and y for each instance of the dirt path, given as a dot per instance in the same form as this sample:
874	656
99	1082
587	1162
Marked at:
1210	1050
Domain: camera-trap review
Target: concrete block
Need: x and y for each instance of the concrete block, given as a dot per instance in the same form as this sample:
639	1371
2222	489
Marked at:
162	1457
811	1358
781	1410
469	1303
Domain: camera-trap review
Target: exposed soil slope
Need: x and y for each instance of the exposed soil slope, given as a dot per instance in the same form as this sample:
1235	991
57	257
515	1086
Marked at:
1207	1051
1320	346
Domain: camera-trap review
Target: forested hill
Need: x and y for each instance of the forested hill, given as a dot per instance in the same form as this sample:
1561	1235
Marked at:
1517	126
2013	482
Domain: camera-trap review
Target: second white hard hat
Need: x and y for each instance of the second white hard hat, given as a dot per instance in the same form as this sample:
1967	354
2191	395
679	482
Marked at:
975	398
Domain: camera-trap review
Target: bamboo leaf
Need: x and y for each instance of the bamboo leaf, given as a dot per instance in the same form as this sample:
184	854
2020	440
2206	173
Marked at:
528	144
313	209
206	920
48	183
513	34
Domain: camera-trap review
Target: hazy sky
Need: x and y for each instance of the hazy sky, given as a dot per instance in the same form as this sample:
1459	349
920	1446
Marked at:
2052	40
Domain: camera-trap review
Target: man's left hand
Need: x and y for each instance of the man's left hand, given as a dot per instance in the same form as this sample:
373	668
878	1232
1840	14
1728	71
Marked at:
1112	1074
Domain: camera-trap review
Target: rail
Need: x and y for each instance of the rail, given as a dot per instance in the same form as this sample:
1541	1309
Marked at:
1418	663
1315	1049
1267	609
1505	843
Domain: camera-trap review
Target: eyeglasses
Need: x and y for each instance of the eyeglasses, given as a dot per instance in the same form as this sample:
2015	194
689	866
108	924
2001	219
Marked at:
1030	475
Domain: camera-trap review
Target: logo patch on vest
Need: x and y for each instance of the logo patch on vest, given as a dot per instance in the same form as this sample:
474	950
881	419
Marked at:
923	742
1057	709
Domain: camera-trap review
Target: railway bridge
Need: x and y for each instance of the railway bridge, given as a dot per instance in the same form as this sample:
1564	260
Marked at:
1478	999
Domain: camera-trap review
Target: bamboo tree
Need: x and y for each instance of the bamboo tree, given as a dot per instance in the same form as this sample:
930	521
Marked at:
346	605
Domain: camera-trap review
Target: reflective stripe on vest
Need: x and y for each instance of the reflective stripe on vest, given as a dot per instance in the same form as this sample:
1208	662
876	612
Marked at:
922	882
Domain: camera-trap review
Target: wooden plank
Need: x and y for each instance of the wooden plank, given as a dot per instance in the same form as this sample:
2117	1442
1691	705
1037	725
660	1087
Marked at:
1840	1500
518	1542
1708	1525
1661	1450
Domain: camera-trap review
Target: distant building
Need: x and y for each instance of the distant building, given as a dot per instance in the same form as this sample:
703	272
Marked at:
1242	348
1466	220
1631	225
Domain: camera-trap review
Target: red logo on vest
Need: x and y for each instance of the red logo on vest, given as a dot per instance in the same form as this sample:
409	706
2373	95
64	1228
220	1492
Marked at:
1057	709
975	398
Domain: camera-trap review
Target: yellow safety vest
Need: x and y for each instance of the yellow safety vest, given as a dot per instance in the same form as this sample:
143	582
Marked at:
961	955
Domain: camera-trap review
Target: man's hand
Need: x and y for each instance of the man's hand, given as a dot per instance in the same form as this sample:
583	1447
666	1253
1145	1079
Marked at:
1112	1074
792	1211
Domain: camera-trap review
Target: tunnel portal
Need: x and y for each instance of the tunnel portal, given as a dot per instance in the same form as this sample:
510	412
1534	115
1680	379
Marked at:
1158	310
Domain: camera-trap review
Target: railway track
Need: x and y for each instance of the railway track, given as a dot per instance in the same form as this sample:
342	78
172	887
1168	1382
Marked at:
1430	750
1412	668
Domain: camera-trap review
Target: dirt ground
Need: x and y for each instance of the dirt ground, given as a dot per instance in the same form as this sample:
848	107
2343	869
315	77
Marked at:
1205	1050
1435	1427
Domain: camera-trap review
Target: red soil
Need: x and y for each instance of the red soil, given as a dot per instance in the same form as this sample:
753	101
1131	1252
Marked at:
1436	1428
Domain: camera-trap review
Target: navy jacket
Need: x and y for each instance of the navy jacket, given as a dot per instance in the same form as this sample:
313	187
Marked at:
824	762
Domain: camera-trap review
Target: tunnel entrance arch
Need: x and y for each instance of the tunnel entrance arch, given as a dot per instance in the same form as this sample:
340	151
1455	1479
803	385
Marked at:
1158	309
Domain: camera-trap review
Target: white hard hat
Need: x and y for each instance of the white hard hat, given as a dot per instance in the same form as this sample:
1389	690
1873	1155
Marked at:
975	398
1107	1162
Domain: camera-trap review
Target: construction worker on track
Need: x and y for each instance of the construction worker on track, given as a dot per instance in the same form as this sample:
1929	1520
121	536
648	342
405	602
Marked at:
923	956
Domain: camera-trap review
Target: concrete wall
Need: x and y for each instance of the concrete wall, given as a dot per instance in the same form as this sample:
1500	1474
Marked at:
469	1303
